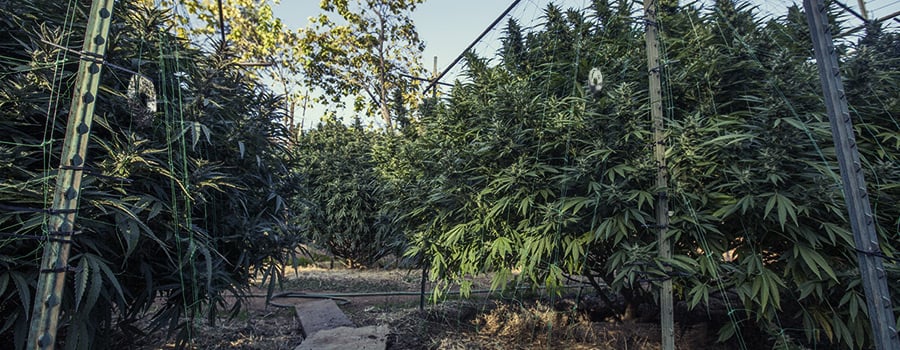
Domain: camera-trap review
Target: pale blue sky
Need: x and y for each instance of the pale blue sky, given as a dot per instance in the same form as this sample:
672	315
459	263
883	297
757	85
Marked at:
448	26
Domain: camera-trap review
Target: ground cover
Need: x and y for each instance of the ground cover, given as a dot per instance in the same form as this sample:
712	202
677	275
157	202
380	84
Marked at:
523	319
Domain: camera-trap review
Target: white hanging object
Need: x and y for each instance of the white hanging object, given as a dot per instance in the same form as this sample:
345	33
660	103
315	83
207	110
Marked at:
141	100
595	80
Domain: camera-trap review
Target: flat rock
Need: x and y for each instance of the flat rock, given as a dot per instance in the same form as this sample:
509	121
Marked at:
319	315
342	338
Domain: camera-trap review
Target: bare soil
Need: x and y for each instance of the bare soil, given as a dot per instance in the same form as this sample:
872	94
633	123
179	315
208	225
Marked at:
523	321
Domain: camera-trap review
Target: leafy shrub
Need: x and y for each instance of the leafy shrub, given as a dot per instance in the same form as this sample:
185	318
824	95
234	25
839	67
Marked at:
342	202
181	207
520	169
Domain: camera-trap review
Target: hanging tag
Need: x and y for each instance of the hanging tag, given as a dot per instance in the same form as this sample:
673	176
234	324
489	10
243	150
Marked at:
595	80
141	100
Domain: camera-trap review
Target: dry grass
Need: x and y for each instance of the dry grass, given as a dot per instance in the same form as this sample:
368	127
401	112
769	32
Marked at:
495	325
254	329
343	280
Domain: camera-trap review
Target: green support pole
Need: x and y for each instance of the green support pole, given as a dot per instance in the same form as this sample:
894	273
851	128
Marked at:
666	307
54	264
859	211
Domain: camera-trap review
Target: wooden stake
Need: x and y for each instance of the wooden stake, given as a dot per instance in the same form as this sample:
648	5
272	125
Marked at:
862	9
54	263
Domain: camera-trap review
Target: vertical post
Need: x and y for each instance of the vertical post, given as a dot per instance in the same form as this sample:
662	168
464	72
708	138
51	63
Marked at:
862	222
291	114
422	286
666	314
222	22
434	77
862	9
45	314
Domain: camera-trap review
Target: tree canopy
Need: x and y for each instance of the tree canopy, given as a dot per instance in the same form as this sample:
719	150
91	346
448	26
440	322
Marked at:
363	53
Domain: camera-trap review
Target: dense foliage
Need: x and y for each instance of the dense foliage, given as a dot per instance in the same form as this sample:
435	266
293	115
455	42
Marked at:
180	208
342	202
521	168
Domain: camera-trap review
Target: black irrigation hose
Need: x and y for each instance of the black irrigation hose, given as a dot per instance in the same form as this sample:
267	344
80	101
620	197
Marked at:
342	297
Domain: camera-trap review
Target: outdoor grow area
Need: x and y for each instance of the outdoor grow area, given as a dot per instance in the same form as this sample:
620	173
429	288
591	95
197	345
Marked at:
619	175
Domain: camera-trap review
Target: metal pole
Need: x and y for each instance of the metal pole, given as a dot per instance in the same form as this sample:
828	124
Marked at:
666	314
54	263
862	222
424	263
422	286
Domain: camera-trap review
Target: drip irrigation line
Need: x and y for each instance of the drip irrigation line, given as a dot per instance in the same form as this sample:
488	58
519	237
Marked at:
879	254
871	22
99	60
481	36
343	297
423	79
852	11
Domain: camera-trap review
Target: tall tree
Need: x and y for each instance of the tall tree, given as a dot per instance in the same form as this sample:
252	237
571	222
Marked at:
360	49
256	39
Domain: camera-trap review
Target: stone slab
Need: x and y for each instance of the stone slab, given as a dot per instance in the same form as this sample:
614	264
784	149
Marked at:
343	338
320	315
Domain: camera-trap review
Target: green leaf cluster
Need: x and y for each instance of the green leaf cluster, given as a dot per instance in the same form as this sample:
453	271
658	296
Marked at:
523	171
180	207
341	205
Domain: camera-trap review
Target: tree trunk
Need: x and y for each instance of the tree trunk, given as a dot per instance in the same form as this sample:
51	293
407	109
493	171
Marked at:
382	74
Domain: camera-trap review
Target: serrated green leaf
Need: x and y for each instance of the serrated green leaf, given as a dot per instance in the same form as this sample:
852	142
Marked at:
769	205
805	254
4	282
726	332
22	287
81	282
